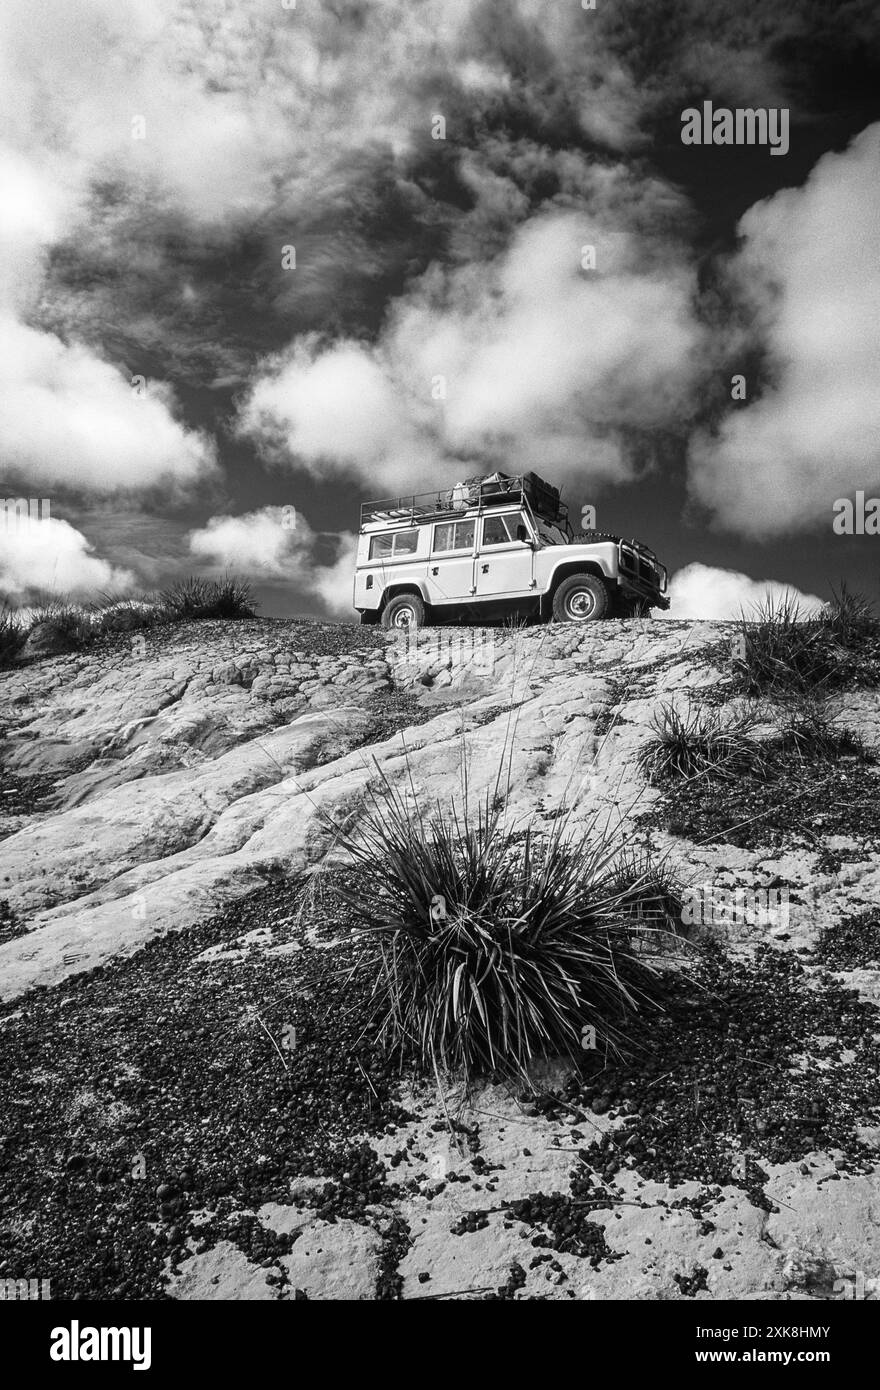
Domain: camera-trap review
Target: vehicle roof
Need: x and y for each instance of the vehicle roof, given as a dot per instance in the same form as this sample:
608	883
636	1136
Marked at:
410	523
495	493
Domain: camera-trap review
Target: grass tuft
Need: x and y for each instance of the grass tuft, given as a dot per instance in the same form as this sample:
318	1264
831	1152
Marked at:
810	734
12	634
496	946
786	651
229	597
698	743
67	621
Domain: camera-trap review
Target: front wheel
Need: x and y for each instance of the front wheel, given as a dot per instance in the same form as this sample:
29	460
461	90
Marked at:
407	610
582	598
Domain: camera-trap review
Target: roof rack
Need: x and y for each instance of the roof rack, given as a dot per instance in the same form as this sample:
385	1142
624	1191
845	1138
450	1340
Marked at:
479	494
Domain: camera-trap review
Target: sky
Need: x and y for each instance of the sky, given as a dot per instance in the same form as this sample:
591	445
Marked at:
263	261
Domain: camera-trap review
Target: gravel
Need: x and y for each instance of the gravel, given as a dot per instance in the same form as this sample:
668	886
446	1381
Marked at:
852	943
779	805
746	1056
149	1090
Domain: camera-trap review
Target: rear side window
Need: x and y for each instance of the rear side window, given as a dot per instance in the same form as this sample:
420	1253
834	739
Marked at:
499	530
454	535
387	546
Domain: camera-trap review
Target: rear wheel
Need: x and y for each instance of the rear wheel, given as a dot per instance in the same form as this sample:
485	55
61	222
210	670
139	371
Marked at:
406	610
582	598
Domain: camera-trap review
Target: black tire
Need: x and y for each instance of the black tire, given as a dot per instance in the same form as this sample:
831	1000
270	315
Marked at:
369	616
393	614
582	598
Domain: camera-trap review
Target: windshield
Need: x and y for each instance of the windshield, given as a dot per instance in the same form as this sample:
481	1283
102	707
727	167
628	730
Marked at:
550	535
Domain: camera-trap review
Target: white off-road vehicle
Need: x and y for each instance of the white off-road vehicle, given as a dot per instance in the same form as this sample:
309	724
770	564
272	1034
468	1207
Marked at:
492	548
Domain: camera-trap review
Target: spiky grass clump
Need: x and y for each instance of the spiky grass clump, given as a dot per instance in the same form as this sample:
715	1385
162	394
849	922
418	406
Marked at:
12	634
650	896
698	742
784	650
809	734
208	598
496	946
121	613
68	622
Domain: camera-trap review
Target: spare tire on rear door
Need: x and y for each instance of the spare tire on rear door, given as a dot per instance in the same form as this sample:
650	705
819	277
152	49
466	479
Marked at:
582	598
404	610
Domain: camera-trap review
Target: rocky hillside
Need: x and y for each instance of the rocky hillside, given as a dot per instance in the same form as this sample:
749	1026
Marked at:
196	1108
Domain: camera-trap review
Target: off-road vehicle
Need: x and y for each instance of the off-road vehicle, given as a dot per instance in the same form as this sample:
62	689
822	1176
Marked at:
491	548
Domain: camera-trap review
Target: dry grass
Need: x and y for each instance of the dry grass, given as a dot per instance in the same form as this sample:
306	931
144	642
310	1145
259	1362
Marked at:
784	651
493	945
699	742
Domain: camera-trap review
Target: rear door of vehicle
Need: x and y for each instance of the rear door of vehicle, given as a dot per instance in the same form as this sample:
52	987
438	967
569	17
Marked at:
451	562
505	564
393	559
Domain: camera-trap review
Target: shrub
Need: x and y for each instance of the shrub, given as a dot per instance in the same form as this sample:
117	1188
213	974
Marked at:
493	945
784	650
203	598
650	897
698	743
809	734
12	634
121	613
66	621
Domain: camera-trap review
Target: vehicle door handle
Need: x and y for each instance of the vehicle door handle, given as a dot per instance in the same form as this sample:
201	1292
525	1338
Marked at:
485	569
434	570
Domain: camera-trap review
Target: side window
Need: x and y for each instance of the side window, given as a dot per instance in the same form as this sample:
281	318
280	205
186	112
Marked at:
381	547
385	546
497	531
454	535
406	542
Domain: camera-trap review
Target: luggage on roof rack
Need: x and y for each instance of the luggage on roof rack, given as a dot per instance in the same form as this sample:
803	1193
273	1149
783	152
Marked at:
498	489
543	496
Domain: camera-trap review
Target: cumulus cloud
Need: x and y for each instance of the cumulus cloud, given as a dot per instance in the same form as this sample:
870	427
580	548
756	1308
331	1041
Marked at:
50	556
264	542
534	355
701	591
273	545
271	116
335	582
809	274
67	418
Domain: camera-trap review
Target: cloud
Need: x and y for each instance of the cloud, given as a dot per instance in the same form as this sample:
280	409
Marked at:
717	595
529	356
69	419
335	582
50	557
267	548
262	543
809	275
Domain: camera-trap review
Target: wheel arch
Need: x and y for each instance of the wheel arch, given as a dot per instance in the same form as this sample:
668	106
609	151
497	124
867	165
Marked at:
408	586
